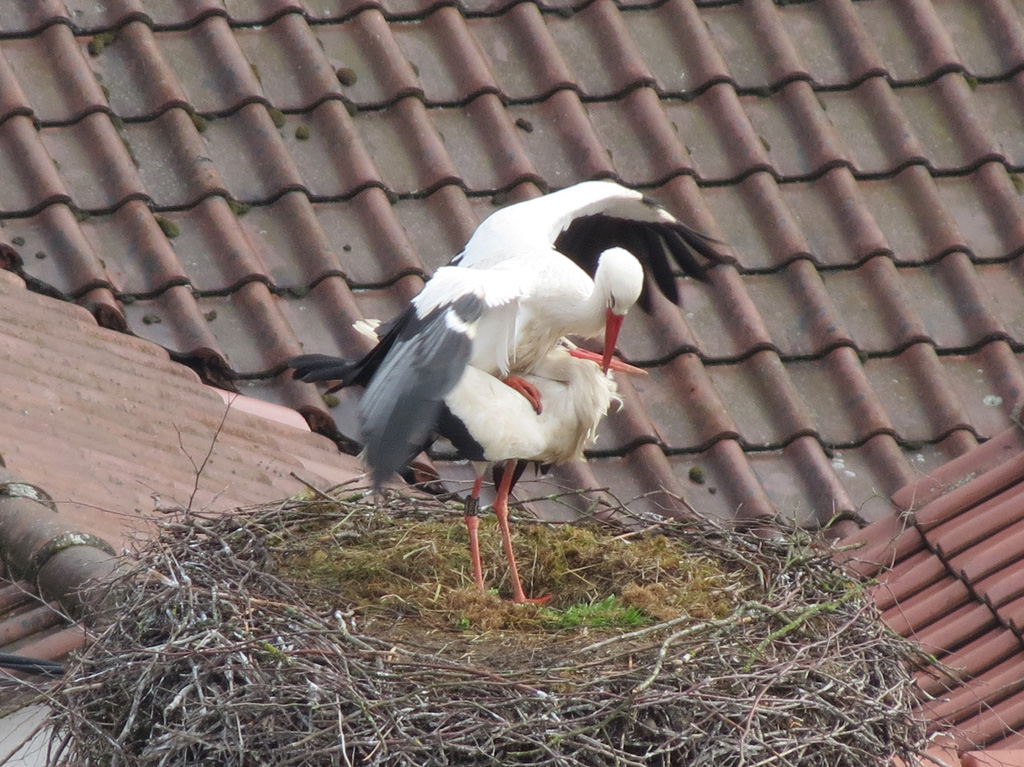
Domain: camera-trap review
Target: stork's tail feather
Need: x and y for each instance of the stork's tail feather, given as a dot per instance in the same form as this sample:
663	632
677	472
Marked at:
321	367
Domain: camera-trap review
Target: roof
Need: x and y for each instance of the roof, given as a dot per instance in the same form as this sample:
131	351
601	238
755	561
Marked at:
951	577
112	430
102	432
239	182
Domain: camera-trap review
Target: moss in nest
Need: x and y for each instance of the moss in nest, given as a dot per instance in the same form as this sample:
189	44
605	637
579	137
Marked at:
200	122
1018	182
302	132
330	400
277	116
420	569
698	475
169	228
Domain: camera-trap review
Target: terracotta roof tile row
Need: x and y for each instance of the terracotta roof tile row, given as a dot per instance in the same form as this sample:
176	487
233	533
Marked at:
240	182
951	577
111	428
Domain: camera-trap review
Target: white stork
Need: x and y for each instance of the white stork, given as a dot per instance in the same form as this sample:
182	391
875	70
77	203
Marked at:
491	424
567	263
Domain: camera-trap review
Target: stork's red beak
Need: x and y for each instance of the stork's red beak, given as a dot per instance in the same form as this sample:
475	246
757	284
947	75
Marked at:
613	324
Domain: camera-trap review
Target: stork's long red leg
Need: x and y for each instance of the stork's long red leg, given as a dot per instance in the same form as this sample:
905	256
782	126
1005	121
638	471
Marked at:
501	511
527	389
473	525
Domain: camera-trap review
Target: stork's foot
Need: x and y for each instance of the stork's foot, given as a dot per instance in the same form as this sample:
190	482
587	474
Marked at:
525	600
527	389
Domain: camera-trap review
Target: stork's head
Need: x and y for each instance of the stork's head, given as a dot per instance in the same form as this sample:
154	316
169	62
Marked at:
619	278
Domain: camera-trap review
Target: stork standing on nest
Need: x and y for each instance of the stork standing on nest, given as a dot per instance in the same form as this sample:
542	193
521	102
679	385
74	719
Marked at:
565	264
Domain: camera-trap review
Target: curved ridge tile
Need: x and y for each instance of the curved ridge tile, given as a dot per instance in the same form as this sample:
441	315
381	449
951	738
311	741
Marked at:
757	222
920	400
799	139
484	144
12	97
95	161
54	75
138	257
835	390
872	126
410	154
805	488
441	224
989	383
876	307
136	78
367	56
988	34
743	495
597	47
32	180
442	52
644	148
725	319
1000	107
718	135
943	117
832	42
27	18
751	37
328	152
251	153
561	140
801	318
952	303
174	320
210	66
763	402
523	56
835	219
56	252
910	37
988	211
294	71
678	70
912	216
681	398
212	245
173	161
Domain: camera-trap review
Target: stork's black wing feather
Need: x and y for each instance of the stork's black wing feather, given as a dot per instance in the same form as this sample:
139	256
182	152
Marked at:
402	404
656	244
323	367
37	666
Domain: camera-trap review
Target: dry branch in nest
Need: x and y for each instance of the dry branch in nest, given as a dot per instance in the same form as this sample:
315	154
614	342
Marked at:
216	651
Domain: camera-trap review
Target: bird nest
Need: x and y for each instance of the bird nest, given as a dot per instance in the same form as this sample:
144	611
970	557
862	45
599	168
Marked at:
347	632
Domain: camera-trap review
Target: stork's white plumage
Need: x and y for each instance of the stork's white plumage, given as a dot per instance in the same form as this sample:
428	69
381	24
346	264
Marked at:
489	423
566	264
